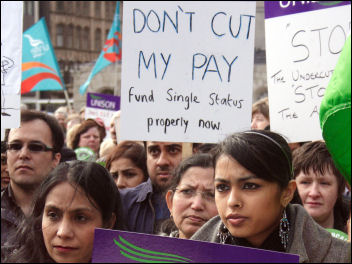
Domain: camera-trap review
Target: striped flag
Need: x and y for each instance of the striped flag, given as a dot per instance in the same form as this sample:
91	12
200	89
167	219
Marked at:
40	70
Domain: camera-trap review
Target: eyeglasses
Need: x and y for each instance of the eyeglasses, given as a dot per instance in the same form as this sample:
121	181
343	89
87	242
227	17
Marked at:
190	193
32	146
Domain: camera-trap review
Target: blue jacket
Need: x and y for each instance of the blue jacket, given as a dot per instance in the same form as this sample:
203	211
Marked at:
139	211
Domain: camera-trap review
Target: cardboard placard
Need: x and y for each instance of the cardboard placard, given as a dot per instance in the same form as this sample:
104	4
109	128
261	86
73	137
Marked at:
11	60
303	43
121	247
187	70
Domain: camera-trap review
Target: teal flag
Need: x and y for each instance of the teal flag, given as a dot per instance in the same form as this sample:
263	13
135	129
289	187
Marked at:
111	51
40	70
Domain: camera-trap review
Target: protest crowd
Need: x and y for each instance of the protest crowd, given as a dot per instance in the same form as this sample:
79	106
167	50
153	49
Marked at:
62	177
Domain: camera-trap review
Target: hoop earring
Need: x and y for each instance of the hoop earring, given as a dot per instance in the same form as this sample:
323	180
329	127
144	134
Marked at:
284	229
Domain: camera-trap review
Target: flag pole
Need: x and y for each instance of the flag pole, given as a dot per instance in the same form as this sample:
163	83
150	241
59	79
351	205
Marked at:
67	100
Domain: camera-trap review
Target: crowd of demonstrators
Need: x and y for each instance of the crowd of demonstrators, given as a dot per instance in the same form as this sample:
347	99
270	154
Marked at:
190	197
127	164
145	207
253	189
158	193
321	186
73	200
33	150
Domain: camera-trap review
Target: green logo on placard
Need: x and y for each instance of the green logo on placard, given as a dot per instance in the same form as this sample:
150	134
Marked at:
329	3
338	234
85	154
147	256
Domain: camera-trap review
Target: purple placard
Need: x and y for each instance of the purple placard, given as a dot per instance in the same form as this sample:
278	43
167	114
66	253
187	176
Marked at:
121	247
103	101
282	8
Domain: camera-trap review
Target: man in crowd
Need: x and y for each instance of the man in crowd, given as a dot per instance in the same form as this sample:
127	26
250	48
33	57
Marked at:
33	150
145	206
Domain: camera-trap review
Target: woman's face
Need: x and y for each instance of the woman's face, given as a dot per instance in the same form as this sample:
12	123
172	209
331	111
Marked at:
249	207
68	224
90	139
126	174
259	121
193	204
318	194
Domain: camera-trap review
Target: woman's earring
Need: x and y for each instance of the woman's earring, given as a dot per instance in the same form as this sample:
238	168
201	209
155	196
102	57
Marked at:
223	234
284	229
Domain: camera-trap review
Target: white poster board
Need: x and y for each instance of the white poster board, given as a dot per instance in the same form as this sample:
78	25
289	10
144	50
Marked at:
11	60
302	49
187	70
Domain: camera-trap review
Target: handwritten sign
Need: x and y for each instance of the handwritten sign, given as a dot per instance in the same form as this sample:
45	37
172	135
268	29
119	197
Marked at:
187	70
11	59
303	43
102	106
111	246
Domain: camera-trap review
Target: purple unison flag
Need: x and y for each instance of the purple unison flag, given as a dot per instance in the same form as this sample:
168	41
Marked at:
282	8
112	49
121	247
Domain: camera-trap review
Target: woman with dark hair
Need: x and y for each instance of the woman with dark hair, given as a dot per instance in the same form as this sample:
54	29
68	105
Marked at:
190	197
127	163
72	201
89	134
253	190
320	186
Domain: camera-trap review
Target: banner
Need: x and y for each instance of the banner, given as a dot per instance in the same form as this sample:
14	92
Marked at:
40	70
103	107
111	246
11	57
111	52
187	71
303	41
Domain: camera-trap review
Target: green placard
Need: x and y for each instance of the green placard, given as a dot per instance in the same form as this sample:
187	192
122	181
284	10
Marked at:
85	154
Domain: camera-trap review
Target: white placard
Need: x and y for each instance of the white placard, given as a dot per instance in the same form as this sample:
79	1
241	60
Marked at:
11	60
301	52
187	70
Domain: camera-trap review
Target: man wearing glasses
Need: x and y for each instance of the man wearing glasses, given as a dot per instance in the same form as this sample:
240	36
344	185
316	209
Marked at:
33	150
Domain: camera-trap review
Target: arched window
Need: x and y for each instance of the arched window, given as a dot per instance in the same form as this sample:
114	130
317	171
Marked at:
85	39
106	34
78	39
97	36
60	35
69	37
